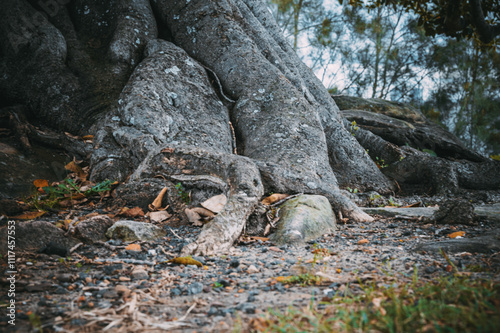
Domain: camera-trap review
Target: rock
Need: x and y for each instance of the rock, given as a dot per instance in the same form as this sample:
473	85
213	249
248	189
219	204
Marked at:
36	235
56	248
139	273
122	290
252	269
93	229
454	211
194	288
304	218
130	231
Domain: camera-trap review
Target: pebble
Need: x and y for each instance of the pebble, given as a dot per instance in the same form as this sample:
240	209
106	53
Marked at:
246	276
252	269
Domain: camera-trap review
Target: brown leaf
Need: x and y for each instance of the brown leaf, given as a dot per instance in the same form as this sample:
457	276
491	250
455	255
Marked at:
363	241
28	215
133	247
73	167
88	137
457	234
274	198
275	249
193	217
41	183
156	205
215	203
167	150
203	212
131	212
185	261
158	216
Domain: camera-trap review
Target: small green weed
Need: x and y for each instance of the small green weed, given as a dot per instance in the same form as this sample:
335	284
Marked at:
355	190
66	189
181	192
35	322
306	279
380	163
354	128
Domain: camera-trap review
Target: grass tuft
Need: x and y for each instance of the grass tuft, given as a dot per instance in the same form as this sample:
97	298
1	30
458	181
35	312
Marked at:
450	304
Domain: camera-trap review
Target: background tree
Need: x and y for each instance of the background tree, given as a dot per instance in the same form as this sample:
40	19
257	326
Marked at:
466	95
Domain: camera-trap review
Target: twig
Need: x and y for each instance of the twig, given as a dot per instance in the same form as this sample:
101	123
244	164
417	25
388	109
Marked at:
128	261
176	234
75	247
188	311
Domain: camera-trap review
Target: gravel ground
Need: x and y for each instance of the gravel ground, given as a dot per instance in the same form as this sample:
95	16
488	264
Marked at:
107	286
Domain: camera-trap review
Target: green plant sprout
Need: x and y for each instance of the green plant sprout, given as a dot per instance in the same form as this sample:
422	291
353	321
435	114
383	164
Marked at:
355	190
181	192
354	128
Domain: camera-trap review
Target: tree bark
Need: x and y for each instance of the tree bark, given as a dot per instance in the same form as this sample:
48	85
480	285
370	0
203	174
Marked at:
162	85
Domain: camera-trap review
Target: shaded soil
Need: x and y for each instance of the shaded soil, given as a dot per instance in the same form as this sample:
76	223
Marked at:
106	286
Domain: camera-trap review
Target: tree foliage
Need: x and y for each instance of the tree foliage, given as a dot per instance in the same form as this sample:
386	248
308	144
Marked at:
454	18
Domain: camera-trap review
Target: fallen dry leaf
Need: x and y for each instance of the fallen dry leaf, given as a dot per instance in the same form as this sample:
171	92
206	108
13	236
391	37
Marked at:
133	247
274	198
88	137
156	205
28	215
215	203
363	241
41	183
193	217
457	234
131	212
159	216
73	167
185	261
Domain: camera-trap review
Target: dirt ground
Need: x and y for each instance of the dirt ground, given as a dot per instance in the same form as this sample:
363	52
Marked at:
109	286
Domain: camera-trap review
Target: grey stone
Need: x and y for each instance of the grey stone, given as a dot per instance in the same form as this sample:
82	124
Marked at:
194	288
304	218
93	229
139	274
130	231
37	235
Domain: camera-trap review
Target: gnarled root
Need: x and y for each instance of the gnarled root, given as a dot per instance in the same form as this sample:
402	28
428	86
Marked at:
240	173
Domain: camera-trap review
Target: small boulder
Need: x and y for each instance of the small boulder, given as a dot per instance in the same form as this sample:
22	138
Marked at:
304	218
37	236
93	229
454	211
129	231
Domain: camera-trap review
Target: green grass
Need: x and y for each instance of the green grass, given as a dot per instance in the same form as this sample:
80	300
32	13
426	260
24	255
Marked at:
451	304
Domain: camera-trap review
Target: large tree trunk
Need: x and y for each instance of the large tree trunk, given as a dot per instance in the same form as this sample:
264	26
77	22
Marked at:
162	86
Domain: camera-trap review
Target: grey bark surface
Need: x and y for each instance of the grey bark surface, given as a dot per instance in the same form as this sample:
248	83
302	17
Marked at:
399	135
153	82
